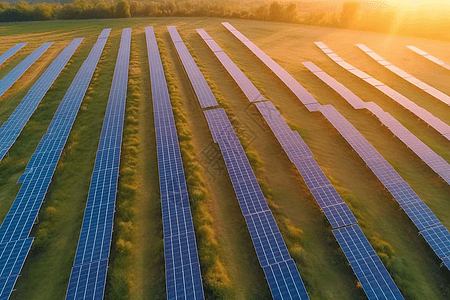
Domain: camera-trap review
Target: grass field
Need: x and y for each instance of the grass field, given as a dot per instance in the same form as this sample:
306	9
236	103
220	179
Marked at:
137	261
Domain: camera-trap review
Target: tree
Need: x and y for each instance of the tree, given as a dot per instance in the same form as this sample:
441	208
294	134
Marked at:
123	9
349	13
262	12
276	11
290	14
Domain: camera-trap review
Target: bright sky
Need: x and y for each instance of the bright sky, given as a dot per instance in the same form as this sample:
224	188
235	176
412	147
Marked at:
417	2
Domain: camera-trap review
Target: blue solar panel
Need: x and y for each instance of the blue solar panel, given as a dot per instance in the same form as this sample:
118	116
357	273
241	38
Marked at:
368	268
427	117
87	281
11	129
284	281
413	206
339	215
39	171
446	262
96	231
408	77
5	56
267	239
6	286
334	208
202	91
421	215
12	256
438	238
183	278
18	71
183	275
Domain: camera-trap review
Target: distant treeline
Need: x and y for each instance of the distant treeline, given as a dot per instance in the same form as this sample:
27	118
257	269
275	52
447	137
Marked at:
421	22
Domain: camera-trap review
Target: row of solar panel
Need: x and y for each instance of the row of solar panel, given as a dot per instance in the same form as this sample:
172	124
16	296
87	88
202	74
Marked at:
368	267
430	57
281	273
427	117
437	236
267	240
296	149
183	277
431	158
88	282
10	130
199	84
5	56
408	77
10	78
19	221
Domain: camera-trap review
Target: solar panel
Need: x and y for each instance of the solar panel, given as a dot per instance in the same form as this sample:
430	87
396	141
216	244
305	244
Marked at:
7	285
326	196
96	230
430	57
10	78
438	238
247	189
12	256
339	215
266	237
183	278
87	281
201	88
183	275
368	268
284	281
427	117
5	56
446	261
413	80
11	129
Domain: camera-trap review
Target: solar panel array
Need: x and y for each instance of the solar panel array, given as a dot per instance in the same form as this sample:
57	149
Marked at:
431	158
183	277
374	278
430	57
10	130
87	279
419	213
301	93
4	57
281	272
21	68
19	221
206	97
408	77
269	244
427	117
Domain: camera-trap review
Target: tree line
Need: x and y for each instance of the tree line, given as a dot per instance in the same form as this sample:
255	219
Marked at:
99	9
351	16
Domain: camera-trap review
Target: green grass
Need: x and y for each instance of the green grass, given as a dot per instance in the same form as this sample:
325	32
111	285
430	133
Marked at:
321	263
